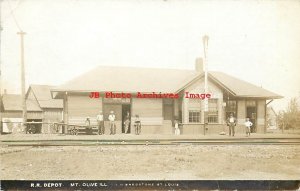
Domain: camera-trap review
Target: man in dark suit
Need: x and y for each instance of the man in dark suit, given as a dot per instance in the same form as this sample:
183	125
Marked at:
231	123
88	127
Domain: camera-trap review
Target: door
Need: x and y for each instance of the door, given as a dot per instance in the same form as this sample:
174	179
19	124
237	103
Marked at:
168	109
251	114
168	115
168	112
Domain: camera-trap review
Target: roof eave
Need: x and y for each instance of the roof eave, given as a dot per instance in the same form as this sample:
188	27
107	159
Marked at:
259	97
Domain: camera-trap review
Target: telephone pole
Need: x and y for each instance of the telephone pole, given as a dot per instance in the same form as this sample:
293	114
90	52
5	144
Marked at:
24	107
205	47
0	71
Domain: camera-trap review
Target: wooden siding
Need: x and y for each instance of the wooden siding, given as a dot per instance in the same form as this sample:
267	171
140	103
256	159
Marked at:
52	115
195	104
176	108
185	112
149	110
261	112
261	116
241	112
83	106
192	129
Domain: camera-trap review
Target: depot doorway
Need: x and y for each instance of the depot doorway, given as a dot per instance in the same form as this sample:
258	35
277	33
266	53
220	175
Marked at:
251	114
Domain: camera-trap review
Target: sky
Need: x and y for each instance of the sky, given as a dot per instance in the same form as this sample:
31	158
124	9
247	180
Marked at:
256	41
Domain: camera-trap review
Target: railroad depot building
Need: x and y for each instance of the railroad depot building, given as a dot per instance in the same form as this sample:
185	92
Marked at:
228	95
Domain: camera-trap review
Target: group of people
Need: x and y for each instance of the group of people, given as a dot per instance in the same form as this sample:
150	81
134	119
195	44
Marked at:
231	123
112	124
137	124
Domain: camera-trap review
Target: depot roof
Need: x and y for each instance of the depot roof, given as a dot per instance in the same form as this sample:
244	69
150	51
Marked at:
132	80
241	88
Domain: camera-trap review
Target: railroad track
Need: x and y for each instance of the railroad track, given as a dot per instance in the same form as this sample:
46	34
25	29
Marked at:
95	142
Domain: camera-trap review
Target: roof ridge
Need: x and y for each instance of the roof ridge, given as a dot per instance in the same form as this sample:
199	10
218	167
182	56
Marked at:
45	85
139	67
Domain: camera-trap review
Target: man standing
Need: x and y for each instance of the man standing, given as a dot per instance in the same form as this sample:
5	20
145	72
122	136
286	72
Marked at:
127	123
88	126
177	130
248	125
231	123
100	123
137	125
112	124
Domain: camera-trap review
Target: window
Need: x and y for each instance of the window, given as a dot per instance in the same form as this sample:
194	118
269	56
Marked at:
194	116
194	110
212	115
230	108
250	103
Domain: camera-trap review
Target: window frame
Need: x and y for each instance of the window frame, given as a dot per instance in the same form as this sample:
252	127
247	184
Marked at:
213	111
193	117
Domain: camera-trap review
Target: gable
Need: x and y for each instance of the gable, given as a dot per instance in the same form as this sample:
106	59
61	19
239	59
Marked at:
42	95
197	87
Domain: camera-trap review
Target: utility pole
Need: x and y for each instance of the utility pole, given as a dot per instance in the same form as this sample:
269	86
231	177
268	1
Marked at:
24	107
205	46
1	128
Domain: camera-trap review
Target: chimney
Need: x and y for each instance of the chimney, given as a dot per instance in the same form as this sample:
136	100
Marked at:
199	65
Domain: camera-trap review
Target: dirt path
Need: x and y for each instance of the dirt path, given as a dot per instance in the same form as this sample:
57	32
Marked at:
183	162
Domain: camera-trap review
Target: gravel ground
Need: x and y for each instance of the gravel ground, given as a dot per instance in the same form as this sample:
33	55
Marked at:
153	162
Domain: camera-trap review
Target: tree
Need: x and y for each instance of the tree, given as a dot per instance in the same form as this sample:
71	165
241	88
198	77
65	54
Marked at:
290	119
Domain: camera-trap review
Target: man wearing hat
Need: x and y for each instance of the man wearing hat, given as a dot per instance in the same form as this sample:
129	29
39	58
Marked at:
112	124
231	123
100	123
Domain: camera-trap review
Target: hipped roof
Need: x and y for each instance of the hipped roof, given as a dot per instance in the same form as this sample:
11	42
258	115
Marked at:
132	80
129	79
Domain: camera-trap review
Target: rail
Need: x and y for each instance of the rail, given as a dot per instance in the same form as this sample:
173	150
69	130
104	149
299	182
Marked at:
175	142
